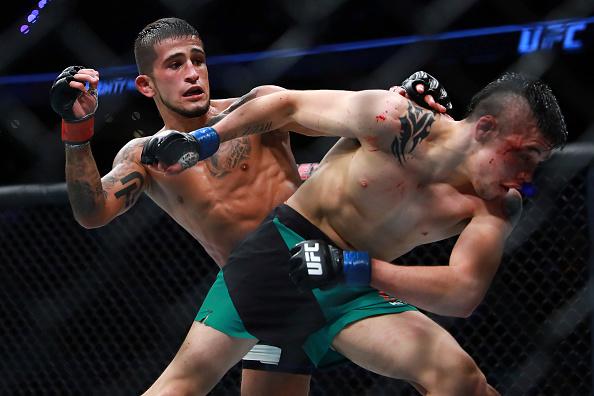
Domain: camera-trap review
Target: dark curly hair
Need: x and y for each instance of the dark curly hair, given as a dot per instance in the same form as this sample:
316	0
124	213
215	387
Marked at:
154	33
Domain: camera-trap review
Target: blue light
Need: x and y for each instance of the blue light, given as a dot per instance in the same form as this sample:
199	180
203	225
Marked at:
528	190
32	18
530	40
24	29
548	35
41	3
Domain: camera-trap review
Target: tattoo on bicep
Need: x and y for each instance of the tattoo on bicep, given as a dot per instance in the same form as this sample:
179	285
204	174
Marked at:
131	191
415	126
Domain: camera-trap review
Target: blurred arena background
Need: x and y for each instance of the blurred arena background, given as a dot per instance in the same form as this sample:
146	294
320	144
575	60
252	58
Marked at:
102	312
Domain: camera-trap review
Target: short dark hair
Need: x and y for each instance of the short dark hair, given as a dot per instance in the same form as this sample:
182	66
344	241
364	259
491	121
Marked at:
154	33
538	95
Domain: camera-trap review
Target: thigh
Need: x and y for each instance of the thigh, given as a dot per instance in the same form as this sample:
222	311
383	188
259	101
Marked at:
261	383
408	346
204	357
269	370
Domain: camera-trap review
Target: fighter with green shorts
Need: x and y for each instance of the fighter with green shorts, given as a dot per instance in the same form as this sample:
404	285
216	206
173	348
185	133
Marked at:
254	297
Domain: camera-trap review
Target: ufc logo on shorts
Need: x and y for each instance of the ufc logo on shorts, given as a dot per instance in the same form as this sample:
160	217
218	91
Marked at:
314	264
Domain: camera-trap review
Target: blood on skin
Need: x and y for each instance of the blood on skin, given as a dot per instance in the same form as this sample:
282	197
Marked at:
380	117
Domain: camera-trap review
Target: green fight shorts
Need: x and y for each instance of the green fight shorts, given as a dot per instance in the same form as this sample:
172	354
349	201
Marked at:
253	296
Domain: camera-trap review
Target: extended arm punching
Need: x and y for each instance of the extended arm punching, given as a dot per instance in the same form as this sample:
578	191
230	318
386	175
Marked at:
336	113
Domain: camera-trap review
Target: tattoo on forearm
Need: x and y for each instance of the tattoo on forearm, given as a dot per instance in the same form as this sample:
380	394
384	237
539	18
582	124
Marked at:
85	191
84	196
257	128
415	126
244	99
131	191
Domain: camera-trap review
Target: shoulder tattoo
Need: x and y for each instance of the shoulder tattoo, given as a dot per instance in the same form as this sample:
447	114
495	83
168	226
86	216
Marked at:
128	152
415	126
512	207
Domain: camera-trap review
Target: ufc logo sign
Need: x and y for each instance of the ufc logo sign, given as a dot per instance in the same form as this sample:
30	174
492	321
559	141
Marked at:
312	259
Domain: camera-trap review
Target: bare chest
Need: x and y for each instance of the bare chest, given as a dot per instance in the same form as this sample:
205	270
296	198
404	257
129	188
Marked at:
390	212
240	184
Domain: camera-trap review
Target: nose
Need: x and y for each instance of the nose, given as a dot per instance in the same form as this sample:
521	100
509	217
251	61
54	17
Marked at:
192	72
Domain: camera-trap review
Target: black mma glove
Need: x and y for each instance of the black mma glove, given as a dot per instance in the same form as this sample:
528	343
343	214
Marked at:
183	148
75	130
432	87
316	264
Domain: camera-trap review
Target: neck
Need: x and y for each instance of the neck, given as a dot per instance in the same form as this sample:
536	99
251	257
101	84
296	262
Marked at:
177	122
451	147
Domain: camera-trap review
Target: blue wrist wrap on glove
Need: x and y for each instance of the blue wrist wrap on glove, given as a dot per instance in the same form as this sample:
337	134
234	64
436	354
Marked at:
356	268
208	141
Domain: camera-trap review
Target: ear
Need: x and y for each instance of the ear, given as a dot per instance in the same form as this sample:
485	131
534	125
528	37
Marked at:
485	128
144	85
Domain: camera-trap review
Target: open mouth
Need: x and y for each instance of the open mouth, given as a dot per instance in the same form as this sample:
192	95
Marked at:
194	91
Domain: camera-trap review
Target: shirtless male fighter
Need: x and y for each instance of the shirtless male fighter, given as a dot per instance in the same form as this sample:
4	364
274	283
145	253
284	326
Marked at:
221	199
401	177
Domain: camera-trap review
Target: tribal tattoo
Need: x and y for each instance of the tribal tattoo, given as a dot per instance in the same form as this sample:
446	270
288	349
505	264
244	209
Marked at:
415	126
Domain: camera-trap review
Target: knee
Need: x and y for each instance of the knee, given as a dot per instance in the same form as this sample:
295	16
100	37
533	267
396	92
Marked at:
178	387
461	376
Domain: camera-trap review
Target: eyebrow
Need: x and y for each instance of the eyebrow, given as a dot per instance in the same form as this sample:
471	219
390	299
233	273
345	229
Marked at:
176	54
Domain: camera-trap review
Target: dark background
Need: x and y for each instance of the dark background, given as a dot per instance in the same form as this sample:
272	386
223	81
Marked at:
101	35
102	312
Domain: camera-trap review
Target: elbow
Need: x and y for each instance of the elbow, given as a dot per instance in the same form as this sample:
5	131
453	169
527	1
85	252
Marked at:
466	310
462	308
89	222
469	302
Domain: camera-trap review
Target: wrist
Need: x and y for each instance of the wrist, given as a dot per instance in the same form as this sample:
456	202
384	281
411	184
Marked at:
356	268
208	141
78	132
